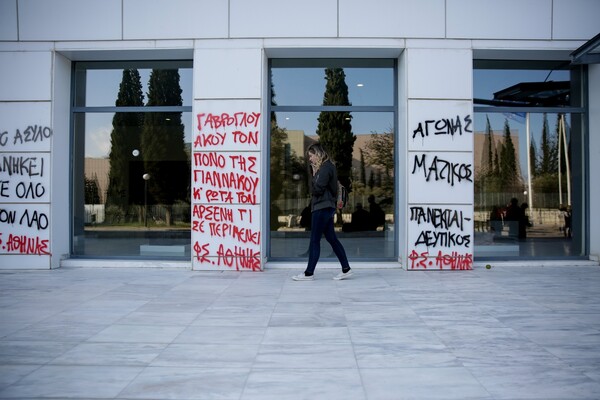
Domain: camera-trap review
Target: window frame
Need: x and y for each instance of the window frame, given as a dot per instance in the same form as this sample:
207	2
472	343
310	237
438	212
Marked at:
393	109
77	156
578	76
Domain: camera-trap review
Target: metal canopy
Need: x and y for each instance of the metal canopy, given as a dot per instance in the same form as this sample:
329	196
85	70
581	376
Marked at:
540	94
589	53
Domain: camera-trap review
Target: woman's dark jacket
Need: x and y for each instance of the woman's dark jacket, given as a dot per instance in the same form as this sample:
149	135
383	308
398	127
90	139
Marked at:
324	187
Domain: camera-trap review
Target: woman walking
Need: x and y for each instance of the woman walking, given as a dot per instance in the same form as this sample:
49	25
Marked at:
324	189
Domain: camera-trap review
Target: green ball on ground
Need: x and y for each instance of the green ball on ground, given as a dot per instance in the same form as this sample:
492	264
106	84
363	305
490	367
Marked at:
488	266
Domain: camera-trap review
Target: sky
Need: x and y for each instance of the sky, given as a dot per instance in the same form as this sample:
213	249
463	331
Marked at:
306	86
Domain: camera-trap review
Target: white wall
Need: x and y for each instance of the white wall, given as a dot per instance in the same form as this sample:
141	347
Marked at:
61	167
175	19
8	20
25	136
76	20
227	141
70	20
439	162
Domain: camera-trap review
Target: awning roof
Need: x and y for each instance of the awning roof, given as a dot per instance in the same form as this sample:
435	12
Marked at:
589	53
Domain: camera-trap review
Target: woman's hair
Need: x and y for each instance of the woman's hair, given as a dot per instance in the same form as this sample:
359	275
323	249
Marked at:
318	150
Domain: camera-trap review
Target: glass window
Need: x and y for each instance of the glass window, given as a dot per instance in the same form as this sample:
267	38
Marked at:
98	83
131	173
347	105
302	82
529	161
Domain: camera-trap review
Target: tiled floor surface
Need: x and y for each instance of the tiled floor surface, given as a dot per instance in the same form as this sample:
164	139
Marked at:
101	333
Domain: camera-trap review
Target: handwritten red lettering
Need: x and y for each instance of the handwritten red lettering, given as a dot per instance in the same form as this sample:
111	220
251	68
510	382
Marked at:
453	261
219	196
225	236
23	244
238	258
243	213
212	213
246	164
211	159
201	252
245	137
418	260
238	119
242	235
198	226
197	192
210	139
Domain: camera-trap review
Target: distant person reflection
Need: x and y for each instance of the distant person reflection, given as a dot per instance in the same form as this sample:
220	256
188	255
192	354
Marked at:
377	214
361	220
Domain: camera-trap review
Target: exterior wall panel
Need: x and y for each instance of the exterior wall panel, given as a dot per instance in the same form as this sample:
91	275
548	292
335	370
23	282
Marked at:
25	76
507	19
440	74
439	165
389	18
227	73
274	18
8	20
174	19
575	19
70	20
25	189
227	142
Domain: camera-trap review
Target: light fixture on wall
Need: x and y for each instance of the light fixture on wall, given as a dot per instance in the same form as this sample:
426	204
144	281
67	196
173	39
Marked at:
146	177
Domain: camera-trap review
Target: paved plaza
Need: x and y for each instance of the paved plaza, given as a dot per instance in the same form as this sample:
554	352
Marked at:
510	332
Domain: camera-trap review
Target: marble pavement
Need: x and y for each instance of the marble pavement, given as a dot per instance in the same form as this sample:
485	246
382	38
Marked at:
112	333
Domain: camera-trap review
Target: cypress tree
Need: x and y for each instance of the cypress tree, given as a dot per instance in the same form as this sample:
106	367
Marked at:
277	152
163	143
549	151
335	127
533	158
508	161
487	161
124	139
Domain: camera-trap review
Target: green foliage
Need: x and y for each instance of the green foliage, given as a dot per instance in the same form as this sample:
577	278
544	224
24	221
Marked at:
489	151
335	128
499	169
278	140
533	158
508	161
124	138
114	214
548	158
379	154
163	147
545	183
92	192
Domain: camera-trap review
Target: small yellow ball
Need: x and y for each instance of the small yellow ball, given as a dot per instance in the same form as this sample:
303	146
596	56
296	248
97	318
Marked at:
488	266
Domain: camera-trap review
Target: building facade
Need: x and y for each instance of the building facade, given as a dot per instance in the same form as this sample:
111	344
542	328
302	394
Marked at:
173	133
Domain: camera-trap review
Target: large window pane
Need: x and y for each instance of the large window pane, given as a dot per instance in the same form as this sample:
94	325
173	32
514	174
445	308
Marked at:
372	186
131	173
518	84
529	163
122	210
98	83
302	82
